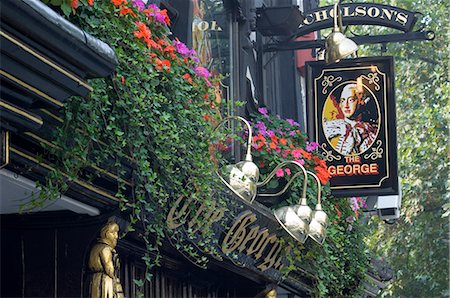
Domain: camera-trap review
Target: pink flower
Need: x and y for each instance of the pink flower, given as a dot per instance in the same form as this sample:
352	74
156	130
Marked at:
263	111
203	72
296	153
159	15
279	173
300	161
288	171
139	4
292	122
354	204
361	202
261	127
182	48
312	146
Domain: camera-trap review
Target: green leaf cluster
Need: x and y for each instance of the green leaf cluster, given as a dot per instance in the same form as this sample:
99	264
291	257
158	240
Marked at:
146	124
417	246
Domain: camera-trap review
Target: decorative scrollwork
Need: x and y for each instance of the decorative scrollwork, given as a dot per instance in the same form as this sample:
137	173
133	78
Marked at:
377	152
372	78
328	81
328	154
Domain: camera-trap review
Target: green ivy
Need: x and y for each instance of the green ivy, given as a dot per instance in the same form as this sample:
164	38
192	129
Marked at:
160	122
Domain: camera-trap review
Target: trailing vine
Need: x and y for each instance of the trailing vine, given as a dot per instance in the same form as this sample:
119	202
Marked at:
155	115
151	123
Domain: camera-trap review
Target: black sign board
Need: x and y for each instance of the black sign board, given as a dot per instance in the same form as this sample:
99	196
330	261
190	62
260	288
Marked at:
358	14
243	234
351	114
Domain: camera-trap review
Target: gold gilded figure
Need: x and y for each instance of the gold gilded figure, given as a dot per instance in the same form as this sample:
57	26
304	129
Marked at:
271	294
104	265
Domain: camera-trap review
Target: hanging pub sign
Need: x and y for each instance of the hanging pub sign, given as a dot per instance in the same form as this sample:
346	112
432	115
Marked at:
351	114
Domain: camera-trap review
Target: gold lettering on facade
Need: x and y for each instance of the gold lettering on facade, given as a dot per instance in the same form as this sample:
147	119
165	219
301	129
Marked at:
215	27
402	18
258	242
174	220
360	11
205	26
270	259
382	13
255	242
387	13
271	239
321	15
197	217
250	236
373	12
309	19
237	233
346	12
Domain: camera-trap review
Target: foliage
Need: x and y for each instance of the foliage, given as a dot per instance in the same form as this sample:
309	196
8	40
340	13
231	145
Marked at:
277	139
417	246
155	113
340	264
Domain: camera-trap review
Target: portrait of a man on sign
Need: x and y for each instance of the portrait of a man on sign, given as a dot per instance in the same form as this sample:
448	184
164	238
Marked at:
351	118
351	114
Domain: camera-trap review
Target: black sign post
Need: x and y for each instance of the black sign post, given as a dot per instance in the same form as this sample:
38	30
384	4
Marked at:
351	114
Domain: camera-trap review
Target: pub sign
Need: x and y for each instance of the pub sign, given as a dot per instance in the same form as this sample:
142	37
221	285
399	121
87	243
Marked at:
351	114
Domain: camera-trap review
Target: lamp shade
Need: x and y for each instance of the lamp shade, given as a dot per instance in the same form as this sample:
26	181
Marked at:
242	177
290	222
303	211
320	216
337	46
317	231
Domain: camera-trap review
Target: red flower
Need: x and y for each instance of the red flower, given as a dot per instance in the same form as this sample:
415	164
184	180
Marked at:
126	10
261	163
323	174
91	2
188	78
339	213
143	32
206	117
163	12
118	2
162	64
305	154
152	56
320	162
74	4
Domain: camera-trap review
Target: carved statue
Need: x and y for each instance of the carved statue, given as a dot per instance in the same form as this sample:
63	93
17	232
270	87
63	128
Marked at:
104	265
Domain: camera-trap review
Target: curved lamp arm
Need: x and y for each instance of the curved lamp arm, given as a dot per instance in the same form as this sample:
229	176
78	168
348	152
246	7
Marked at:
319	191
337	17
248	156
270	176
